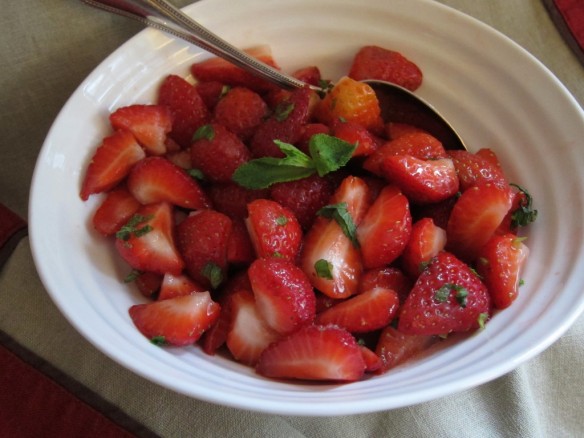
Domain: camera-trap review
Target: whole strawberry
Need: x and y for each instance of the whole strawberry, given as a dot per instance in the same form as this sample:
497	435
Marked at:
447	297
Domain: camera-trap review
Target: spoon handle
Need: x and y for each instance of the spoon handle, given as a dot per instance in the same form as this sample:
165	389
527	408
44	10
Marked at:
163	16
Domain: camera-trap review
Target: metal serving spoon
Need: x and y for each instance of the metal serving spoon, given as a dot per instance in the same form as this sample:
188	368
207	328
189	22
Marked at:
397	103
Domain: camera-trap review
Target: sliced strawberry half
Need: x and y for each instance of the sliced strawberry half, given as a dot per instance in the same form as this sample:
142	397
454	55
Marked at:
217	69
417	143
387	277
354	133
149	123
384	231
177	286
475	169
202	239
146	241
249	334
331	259
422	181
326	353
474	218
188	109
500	263
284	296
155	179
426	241
395	347
273	229
177	321
111	163
366	312
115	210
374	62
447	297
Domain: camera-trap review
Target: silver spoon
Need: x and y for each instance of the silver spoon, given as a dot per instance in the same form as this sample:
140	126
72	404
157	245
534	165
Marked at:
397	103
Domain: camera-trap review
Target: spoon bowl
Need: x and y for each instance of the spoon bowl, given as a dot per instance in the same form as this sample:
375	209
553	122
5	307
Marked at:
397	103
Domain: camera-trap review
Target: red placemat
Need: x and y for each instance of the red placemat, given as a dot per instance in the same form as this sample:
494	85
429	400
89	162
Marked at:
37	400
568	16
12	229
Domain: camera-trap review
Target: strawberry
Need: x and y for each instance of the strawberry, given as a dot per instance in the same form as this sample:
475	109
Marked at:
114	211
218	69
422	181
177	286
148	283
202	239
439	212
521	212
426	241
232	199
217	152
329	257
240	110
418	144
500	263
473	169
474	218
149	123
352	101
394	130
447	297
188	110
176	321
240	249
388	277
357	134
249	335
111	163
284	296
366	312
273	229
310	75
284	124
395	347
384	231
155	179
307	131
373	62
216	336
180	158
304	197
211	92
314	353
146	242
373	362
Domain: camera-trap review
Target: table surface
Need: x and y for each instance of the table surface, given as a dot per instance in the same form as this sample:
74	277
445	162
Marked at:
42	63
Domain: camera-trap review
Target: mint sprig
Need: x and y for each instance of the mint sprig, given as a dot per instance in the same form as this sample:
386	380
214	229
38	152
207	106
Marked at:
340	213
327	154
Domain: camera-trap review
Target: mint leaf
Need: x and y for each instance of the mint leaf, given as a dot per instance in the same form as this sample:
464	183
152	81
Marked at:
263	172
525	213
324	269
283	110
196	174
213	273
131	227
329	153
294	156
204	132
443	293
482	319
341	215
158	340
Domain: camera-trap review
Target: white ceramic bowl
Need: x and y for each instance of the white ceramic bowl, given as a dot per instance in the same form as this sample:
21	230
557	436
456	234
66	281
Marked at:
495	93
